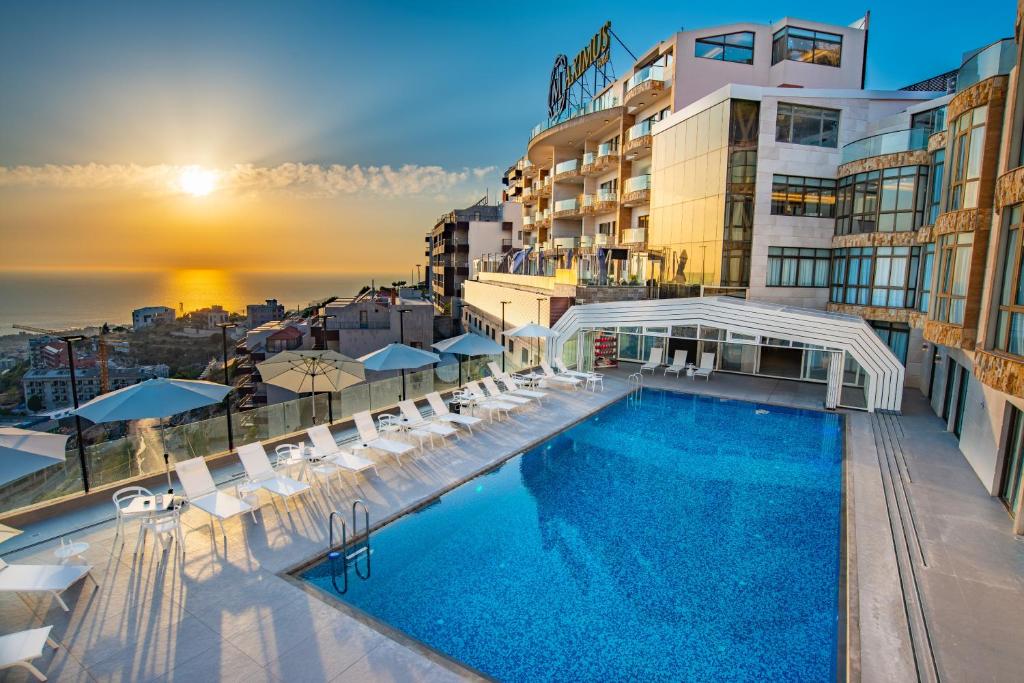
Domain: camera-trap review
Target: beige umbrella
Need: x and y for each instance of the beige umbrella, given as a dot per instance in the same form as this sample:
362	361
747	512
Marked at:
306	372
7	532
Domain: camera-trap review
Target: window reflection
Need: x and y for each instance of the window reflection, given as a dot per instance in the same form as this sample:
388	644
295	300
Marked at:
803	45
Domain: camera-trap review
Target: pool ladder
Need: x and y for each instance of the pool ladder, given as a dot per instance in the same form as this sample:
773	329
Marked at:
635	381
339	557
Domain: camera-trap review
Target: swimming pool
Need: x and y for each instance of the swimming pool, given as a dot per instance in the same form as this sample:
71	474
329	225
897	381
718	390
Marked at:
674	537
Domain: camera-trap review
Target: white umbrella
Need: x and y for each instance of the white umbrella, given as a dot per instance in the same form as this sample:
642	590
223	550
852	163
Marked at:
7	532
531	331
469	344
155	398
398	357
303	372
23	451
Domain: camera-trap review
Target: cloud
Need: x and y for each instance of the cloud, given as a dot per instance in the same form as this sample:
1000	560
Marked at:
295	179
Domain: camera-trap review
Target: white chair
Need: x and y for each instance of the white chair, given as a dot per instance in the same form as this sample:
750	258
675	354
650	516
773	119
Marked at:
561	380
595	380
53	579
563	370
494	392
371	439
259	471
316	470
478	398
653	362
678	362
19	649
511	387
201	492
441	412
707	366
122	497
325	445
414	421
165	527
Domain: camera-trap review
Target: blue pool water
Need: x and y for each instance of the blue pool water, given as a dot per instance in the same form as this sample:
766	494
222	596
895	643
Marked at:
675	538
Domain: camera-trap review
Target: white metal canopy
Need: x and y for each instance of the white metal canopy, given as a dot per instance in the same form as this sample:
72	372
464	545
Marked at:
833	331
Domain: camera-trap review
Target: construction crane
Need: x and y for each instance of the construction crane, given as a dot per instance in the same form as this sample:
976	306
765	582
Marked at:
102	349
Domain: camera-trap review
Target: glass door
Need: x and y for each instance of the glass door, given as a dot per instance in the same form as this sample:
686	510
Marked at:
961	403
947	399
1012	486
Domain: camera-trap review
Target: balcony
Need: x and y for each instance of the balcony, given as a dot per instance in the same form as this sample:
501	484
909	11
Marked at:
650	79
638	139
586	241
543	188
527	222
886	143
634	236
606	101
636	190
565	242
567	170
606	158
602	240
605	200
565	208
995	60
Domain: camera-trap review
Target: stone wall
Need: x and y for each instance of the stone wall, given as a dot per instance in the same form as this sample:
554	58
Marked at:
979	94
964	220
946	334
1010	188
1001	372
876	239
917	157
937	141
600	295
892	315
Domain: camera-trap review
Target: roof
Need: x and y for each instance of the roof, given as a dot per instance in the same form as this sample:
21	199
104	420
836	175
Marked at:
285	334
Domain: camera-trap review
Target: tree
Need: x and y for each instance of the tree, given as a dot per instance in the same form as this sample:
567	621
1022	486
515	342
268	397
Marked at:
400	283
35	402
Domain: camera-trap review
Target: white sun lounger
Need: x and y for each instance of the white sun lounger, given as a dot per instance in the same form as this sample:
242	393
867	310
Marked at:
19	649
493	391
551	376
481	398
371	439
707	366
259	471
42	578
201	492
678	362
653	362
414	420
441	412
562	370
512	388
325	445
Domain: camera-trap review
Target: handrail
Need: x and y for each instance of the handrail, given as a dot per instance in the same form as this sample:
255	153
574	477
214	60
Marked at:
334	555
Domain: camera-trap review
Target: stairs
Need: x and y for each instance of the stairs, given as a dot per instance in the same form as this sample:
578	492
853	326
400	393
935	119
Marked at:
897	481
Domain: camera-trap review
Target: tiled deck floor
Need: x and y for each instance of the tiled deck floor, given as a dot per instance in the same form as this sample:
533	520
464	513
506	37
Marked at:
225	614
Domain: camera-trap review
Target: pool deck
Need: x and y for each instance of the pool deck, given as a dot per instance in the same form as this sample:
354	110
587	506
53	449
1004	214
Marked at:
226	613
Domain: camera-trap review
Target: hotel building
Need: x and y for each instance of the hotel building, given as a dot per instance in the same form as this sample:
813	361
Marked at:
749	160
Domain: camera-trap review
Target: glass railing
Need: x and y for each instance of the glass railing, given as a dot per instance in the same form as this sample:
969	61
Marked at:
606	149
606	101
567	166
527	220
650	73
589	158
137	451
604	196
566	242
637	183
634	235
566	205
886	143
587	201
996	59
601	240
639	130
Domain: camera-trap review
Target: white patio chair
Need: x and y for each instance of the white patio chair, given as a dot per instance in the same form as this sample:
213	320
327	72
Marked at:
201	492
595	380
122	497
19	649
494	391
371	439
511	387
441	412
560	380
414	420
653	362
325	445
259	471
165	527
53	579
707	366
678	362
478	399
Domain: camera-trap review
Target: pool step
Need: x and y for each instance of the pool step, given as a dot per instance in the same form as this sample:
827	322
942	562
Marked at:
897	479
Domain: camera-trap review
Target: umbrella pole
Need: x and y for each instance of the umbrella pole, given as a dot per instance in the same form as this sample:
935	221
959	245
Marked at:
167	456
403	384
312	387
460	371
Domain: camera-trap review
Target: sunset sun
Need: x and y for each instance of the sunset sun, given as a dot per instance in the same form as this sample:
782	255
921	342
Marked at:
197	181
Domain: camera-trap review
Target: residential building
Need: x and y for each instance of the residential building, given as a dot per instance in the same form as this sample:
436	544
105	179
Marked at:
208	318
261	314
151	315
259	344
53	385
461	236
356	327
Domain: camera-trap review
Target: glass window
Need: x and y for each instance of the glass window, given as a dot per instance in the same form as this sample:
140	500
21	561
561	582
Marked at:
965	164
801	196
731	47
804	125
1010	318
884	276
890	200
803	45
797	267
935	185
954	259
932	120
895	335
1012	485
925	286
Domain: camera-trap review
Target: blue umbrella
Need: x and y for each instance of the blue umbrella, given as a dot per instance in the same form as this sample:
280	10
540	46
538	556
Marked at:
398	357
468	344
155	398
23	452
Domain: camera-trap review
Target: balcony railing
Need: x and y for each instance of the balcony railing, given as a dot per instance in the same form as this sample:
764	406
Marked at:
565	242
567	166
587	201
606	196
650	73
637	183
995	60
527	221
602	240
886	143
639	130
634	235
606	101
606	149
567	205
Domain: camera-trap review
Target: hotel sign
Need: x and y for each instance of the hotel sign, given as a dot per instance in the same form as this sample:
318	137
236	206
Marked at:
564	73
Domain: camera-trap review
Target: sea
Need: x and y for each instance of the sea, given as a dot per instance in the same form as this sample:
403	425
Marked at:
73	299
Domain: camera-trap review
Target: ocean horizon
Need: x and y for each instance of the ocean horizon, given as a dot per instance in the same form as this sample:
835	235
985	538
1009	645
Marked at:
70	299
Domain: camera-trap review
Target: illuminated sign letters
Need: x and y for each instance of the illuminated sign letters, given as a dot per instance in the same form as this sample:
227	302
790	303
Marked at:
564	73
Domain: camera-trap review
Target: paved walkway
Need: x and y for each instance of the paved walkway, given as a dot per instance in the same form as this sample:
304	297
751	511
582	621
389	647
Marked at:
226	614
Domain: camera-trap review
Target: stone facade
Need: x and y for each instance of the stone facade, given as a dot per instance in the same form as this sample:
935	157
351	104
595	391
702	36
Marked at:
937	141
979	94
917	157
924	235
946	334
892	315
1010	188
1002	372
876	239
964	220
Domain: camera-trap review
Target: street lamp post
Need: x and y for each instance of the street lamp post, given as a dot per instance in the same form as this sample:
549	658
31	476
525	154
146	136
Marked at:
227	381
536	349
69	341
503	354
324	317
401	339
